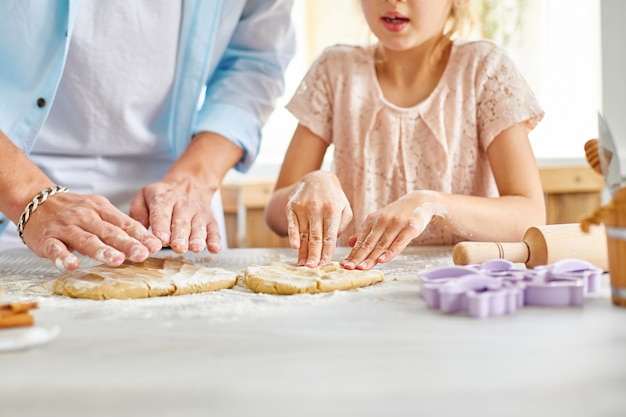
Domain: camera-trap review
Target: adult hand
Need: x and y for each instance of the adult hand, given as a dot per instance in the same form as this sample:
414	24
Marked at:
90	225
317	212
179	213
388	231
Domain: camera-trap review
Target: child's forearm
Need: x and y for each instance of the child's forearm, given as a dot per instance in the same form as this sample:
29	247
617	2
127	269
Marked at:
503	219
276	210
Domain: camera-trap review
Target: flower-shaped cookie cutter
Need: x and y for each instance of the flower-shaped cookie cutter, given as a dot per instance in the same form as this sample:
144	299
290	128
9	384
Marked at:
496	287
561	284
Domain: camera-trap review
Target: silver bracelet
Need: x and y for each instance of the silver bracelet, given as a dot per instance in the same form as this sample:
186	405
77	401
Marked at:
32	206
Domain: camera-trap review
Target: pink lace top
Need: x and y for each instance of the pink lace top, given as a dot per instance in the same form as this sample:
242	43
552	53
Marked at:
382	151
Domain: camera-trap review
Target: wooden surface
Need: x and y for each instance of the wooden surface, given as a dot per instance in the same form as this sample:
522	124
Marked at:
244	206
570	179
571	192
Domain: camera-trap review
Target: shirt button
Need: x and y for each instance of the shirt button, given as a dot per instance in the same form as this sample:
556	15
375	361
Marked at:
1	221
41	102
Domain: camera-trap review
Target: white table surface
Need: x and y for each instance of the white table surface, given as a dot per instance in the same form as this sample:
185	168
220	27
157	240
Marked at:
373	352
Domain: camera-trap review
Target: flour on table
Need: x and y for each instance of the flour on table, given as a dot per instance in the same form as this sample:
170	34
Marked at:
153	278
286	278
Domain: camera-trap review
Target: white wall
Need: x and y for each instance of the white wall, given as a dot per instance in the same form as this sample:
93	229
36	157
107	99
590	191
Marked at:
613	31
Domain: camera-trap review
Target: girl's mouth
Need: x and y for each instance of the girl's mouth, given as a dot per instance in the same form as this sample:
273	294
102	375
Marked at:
394	22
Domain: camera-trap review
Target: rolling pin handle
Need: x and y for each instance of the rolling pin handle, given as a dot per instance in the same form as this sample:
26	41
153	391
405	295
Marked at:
467	253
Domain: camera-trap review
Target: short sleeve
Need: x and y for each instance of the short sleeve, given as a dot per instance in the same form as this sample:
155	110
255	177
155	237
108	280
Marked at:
504	98
312	103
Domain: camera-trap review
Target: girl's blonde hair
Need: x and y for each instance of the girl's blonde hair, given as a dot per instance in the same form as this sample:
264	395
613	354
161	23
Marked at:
459	23
460	20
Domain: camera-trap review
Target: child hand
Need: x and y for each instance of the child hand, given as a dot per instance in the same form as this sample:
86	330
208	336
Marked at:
317	212
388	231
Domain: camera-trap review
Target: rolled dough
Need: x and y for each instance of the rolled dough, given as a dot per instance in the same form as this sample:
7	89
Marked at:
152	278
285	278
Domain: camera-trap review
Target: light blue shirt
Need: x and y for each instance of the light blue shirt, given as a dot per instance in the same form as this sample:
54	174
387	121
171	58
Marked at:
230	68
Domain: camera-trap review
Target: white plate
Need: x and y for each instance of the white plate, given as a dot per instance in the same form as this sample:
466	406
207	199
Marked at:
21	338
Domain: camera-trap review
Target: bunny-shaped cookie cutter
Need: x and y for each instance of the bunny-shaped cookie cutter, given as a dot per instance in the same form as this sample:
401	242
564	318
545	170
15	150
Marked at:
496	287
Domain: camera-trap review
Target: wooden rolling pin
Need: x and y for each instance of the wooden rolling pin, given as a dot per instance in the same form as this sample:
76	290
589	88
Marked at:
542	245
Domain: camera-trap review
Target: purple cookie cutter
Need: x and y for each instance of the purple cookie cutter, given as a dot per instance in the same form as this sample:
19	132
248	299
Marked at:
563	283
496	287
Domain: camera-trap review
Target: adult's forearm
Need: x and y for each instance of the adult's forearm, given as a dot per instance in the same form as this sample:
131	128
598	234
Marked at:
20	179
208	157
